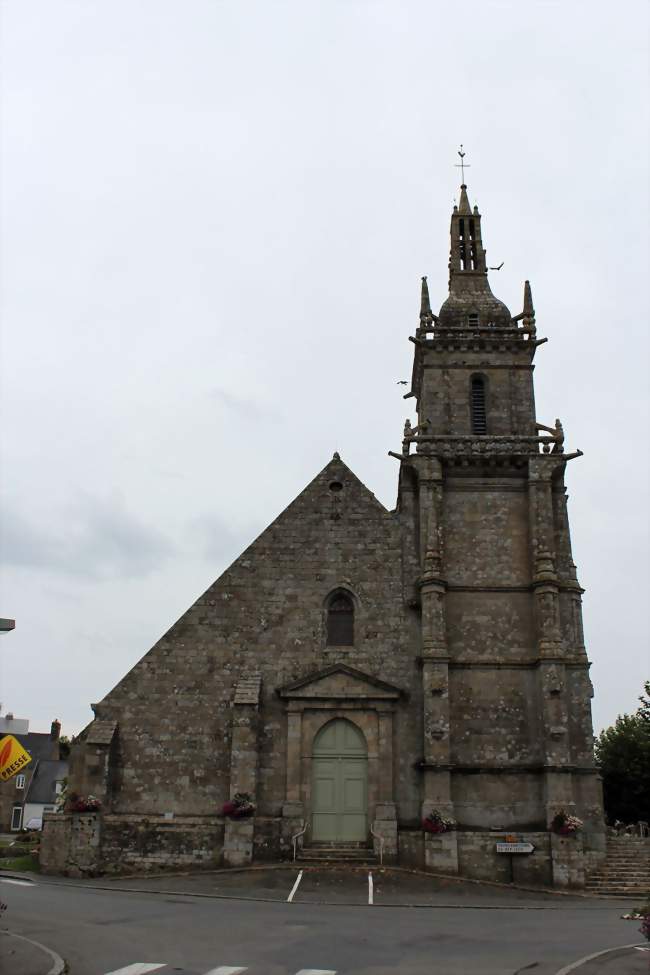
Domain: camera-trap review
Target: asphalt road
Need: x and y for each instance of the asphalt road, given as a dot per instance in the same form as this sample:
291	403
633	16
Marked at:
479	932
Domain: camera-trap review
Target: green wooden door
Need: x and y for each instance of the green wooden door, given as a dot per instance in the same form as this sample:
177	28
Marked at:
339	784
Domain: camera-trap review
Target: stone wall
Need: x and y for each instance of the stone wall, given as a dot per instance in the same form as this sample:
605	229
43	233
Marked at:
55	843
410	844
492	722
143	843
509	800
486	532
509	393
477	857
71	844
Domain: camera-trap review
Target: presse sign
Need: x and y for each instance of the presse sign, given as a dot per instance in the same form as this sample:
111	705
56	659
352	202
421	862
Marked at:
13	757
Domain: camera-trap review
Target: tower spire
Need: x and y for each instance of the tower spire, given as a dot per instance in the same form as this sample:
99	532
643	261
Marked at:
470	301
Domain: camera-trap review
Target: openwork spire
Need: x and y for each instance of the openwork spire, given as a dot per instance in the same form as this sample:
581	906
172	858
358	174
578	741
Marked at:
471	302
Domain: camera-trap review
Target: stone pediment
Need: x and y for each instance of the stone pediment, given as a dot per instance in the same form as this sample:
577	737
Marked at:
340	682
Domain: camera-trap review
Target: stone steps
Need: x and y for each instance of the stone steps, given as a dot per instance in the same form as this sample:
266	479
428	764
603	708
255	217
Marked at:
641	884
614	891
337	854
626	869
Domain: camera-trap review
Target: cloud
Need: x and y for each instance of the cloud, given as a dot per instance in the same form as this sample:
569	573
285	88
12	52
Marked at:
98	538
216	541
245	408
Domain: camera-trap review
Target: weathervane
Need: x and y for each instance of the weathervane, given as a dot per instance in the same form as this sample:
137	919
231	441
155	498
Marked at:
462	165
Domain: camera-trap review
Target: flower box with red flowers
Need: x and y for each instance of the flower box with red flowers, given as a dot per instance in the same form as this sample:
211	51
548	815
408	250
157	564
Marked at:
84	804
565	825
240	806
436	823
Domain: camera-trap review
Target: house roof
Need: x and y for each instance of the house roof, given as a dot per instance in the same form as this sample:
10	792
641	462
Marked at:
42	787
38	744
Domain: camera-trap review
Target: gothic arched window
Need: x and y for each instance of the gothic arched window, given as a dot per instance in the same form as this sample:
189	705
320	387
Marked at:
478	413
340	620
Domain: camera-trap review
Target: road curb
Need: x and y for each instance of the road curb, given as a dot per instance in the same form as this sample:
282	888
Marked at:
58	964
113	888
261	868
575	965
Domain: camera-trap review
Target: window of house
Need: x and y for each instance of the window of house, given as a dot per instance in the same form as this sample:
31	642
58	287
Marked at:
20	781
340	620
477	405
16	817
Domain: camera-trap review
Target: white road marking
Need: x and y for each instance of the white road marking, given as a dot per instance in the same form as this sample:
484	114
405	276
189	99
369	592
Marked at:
226	970
291	896
139	968
316	971
371	889
598	954
18	883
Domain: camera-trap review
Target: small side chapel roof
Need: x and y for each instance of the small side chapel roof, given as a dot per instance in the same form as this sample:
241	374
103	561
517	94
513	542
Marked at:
101	732
247	690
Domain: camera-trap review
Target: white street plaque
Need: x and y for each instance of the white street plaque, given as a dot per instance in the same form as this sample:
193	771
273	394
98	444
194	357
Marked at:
515	847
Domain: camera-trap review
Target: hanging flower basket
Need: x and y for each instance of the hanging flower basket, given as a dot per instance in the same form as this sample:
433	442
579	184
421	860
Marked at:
239	807
436	823
565	825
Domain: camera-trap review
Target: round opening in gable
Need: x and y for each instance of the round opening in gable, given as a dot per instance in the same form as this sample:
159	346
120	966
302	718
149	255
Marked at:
336	486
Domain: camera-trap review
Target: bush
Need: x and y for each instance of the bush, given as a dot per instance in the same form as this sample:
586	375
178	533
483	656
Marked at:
623	755
28	836
26	864
645	927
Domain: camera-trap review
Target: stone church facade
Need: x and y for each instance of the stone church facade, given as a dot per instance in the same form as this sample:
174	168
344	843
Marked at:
357	668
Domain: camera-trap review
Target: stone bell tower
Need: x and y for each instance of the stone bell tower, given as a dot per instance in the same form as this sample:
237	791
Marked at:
506	732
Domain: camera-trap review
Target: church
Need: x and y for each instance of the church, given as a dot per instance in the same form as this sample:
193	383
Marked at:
412	684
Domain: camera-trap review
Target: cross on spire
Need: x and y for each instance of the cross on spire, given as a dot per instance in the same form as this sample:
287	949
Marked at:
462	165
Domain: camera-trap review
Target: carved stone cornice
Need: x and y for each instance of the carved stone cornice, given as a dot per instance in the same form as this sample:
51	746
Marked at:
496	338
483	447
506	769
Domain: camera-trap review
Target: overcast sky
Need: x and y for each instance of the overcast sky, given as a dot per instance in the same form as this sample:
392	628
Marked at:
215	216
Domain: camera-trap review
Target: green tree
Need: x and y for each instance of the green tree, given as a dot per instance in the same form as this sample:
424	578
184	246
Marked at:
623	755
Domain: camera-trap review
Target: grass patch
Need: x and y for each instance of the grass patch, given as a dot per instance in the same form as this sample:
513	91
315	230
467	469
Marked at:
28	863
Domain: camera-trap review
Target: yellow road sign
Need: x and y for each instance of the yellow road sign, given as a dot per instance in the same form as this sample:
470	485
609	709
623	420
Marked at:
13	757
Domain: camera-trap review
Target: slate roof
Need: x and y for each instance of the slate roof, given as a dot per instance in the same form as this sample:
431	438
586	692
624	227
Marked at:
101	732
38	744
42	786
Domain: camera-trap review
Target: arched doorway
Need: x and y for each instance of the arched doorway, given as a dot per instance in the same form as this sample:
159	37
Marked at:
339	784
